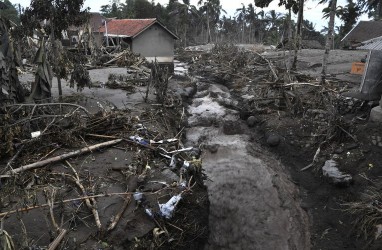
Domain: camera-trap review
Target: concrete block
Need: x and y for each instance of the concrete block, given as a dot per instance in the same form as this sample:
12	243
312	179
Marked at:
376	114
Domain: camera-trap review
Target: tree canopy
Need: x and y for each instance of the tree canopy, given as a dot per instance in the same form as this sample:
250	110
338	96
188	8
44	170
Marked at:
59	14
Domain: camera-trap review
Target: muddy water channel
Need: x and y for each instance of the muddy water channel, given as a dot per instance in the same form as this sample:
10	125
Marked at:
253	204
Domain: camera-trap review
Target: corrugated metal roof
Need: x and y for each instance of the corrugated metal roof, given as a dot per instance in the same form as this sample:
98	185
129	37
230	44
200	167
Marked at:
372	44
130	27
364	30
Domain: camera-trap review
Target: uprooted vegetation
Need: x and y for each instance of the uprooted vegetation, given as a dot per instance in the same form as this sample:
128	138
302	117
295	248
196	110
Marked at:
261	89
144	191
312	124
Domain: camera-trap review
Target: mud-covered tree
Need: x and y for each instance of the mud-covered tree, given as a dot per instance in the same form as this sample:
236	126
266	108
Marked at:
10	88
54	16
329	38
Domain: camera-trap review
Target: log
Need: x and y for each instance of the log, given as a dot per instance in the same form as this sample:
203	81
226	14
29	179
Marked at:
60	158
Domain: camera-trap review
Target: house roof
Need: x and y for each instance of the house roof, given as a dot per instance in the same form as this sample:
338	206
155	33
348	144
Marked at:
372	44
363	31
130	27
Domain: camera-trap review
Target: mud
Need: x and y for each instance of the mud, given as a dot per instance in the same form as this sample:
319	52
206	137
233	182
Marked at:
255	191
253	204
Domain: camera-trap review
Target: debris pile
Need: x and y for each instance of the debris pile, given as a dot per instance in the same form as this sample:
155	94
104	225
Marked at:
125	58
135	77
264	88
100	180
242	67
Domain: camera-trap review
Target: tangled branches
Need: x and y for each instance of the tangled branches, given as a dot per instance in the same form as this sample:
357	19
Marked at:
367	213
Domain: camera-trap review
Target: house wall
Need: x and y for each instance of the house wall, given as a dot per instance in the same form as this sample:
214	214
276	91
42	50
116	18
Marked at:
155	42
98	38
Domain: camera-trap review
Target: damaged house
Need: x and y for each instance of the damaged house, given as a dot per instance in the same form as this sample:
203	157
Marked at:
147	37
75	35
363	31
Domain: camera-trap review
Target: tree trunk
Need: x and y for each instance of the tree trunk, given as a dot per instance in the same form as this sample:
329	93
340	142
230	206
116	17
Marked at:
329	39
297	42
185	36
56	56
289	39
208	26
250	33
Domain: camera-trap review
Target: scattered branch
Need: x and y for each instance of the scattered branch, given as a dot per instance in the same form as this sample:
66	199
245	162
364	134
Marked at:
59	158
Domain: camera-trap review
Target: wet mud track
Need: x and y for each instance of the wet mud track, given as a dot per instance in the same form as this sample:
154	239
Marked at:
253	204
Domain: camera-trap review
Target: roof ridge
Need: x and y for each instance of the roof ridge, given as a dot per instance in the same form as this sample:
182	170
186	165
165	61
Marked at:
138	19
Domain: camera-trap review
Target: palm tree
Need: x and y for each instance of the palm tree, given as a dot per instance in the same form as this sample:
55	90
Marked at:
251	18
274	23
329	39
298	36
241	18
372	7
212	9
183	12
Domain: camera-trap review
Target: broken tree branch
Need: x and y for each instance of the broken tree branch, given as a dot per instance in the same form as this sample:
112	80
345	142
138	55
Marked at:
314	159
58	240
90	202
119	215
59	158
272	68
49	104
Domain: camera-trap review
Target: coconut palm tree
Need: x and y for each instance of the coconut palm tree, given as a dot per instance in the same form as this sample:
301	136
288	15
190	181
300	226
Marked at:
241	14
251	18
298	37
183	12
329	39
372	7
212	9
274	22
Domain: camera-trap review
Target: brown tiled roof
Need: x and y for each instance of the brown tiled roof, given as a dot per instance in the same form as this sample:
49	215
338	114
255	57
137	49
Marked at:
364	30
130	27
